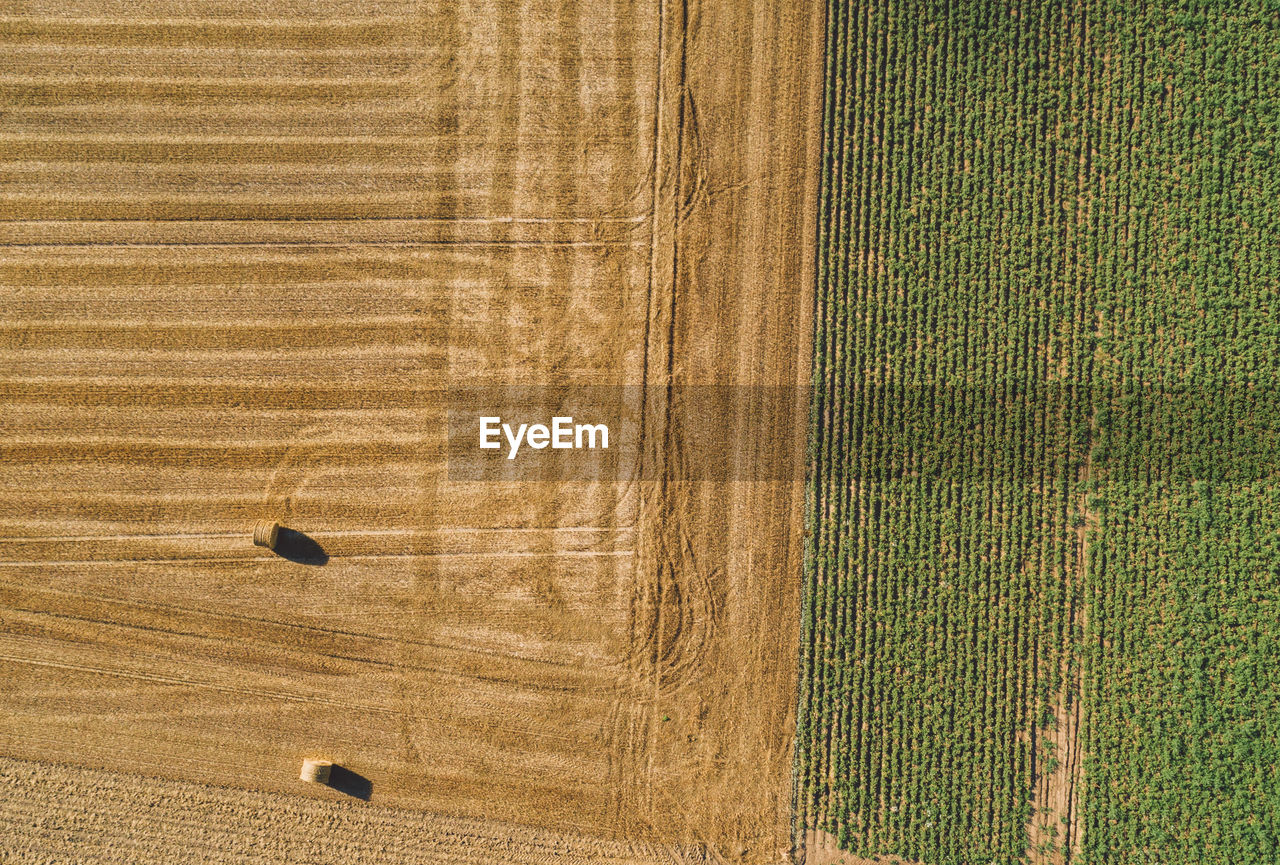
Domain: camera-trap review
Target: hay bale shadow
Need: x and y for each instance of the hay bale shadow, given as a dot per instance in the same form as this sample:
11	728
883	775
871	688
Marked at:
353	784
297	547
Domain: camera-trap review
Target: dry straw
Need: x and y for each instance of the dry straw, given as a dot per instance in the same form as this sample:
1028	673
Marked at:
266	533
315	771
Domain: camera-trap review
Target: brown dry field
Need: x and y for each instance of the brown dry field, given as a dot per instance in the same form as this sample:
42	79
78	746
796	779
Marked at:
246	248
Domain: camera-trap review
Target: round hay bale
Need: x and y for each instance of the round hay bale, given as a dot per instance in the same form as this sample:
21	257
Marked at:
315	771
266	533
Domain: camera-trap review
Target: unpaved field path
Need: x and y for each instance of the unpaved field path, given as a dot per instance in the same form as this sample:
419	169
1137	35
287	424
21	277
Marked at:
245	252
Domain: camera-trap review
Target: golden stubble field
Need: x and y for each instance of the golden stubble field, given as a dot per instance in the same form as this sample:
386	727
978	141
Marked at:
246	251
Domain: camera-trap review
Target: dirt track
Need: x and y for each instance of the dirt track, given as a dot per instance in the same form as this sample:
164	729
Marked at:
243	260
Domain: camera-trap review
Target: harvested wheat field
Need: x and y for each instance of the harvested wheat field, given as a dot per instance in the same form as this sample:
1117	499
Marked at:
247	252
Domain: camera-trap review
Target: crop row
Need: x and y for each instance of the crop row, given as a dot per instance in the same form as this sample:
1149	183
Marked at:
1046	336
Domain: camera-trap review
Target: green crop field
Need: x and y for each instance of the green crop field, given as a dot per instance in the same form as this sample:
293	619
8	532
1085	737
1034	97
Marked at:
1042	606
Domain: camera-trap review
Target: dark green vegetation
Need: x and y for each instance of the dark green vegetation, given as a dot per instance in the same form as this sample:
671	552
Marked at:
1045	490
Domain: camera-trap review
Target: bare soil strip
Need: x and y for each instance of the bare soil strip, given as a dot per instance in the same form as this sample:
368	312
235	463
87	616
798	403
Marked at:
1055	829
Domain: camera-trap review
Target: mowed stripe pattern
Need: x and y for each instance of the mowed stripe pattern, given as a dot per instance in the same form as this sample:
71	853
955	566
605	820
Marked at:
426	109
245	253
